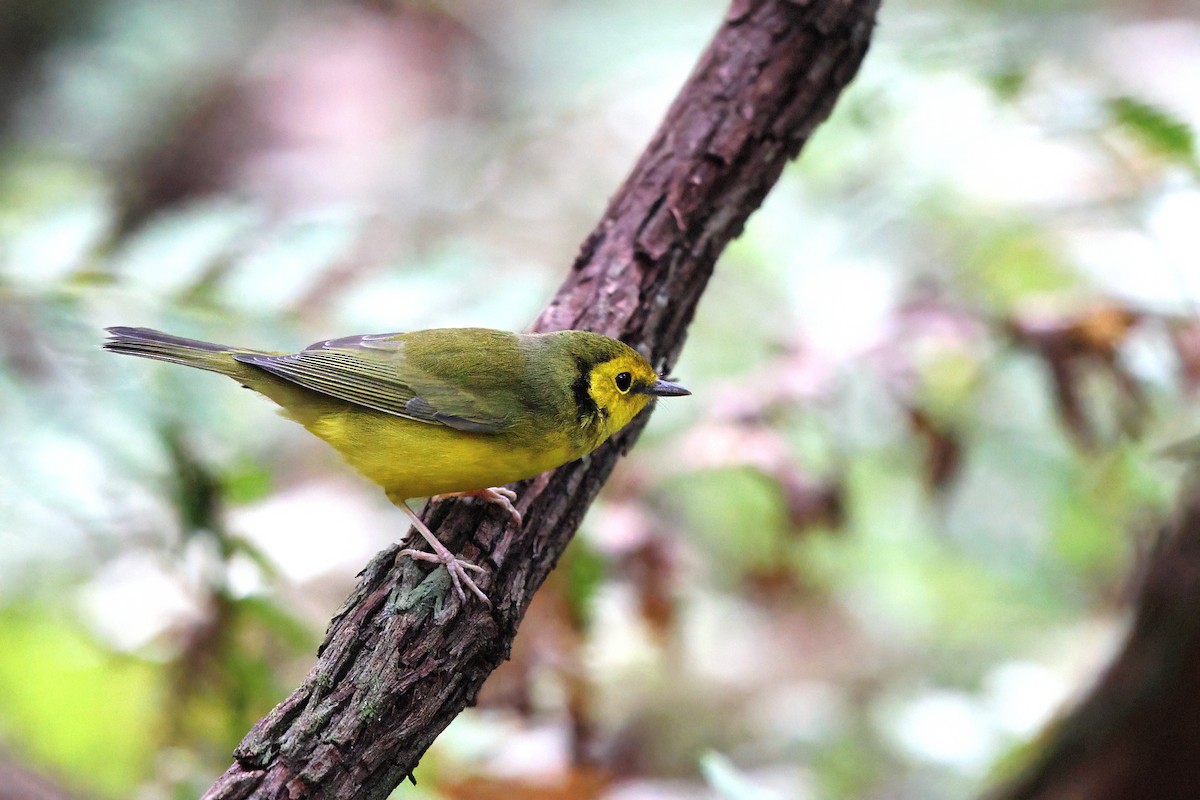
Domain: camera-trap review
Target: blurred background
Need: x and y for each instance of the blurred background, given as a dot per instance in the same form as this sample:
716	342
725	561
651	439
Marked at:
893	531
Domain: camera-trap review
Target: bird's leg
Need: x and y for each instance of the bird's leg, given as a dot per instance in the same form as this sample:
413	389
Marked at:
457	568
497	494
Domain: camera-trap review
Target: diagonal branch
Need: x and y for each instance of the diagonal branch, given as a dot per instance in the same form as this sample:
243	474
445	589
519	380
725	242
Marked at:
396	667
1135	735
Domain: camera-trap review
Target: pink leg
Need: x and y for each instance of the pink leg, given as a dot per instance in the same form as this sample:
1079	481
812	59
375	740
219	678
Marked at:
457	568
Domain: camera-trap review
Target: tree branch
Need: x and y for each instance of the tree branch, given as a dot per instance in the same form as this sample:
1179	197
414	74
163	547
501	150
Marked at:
1136	735
396	666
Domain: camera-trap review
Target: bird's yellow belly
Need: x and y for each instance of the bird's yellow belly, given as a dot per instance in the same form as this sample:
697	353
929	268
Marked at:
417	459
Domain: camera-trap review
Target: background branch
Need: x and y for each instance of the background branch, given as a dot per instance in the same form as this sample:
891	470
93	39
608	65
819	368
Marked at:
396	666
1136	735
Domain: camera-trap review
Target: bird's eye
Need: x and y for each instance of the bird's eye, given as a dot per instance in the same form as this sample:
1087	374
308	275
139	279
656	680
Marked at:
623	380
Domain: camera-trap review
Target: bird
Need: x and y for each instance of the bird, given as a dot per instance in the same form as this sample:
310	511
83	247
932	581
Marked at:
439	412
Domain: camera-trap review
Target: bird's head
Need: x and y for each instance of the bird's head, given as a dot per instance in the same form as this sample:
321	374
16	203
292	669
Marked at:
614	382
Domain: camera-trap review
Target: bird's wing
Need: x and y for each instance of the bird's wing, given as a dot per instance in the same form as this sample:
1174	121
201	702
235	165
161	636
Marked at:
372	371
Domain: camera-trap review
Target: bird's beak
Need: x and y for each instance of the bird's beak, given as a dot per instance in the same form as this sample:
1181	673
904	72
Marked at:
661	388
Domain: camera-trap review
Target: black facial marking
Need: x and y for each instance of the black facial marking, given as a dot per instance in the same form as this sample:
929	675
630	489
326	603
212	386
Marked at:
585	406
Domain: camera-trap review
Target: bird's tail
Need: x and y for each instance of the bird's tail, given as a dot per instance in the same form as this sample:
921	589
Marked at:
149	343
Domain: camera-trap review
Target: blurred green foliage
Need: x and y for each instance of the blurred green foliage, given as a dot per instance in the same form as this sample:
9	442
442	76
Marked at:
1158	129
74	702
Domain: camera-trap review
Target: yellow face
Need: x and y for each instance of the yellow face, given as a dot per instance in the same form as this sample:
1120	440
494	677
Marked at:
620	388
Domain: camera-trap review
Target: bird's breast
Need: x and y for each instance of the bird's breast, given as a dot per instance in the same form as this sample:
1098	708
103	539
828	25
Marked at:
416	459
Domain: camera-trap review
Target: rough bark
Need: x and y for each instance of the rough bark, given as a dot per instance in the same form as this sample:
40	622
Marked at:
1136	736
396	665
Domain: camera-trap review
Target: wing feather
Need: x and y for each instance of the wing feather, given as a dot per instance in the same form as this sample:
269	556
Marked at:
372	371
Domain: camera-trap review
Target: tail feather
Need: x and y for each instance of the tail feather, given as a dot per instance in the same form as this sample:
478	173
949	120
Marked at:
149	343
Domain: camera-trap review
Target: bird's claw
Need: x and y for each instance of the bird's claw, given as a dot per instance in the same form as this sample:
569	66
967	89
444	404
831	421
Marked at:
499	495
457	568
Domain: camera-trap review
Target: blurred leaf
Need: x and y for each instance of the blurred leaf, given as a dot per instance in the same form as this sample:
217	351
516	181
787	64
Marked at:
246	481
1014	263
847	766
1089	533
1156	128
737	513
585	573
1008	83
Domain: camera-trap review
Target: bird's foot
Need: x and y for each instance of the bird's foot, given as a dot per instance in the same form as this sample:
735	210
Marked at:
458	569
496	494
